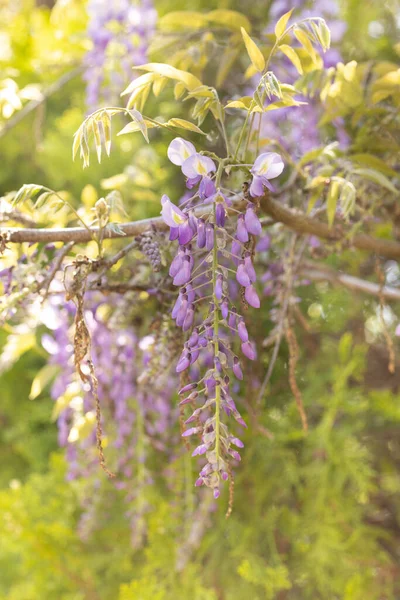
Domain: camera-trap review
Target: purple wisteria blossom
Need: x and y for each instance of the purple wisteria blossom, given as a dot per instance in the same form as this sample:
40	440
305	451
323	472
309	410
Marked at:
267	166
120	32
204	307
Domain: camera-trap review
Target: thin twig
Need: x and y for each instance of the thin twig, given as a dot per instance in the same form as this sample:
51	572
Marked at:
293	358
45	285
317	272
388	339
291	268
106	264
34	104
231	492
18	217
99	431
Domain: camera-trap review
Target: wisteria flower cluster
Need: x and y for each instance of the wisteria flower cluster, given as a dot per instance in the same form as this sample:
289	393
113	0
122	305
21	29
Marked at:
215	256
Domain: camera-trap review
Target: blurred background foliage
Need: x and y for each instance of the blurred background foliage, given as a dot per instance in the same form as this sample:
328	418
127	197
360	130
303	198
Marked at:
314	517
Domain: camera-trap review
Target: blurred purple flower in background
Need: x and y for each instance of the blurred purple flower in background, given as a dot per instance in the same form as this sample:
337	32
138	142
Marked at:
120	32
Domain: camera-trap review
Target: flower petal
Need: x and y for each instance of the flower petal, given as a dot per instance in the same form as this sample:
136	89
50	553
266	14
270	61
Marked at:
171	214
251	296
179	150
268	165
197	165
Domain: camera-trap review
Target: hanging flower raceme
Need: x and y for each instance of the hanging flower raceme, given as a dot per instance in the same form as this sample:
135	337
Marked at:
204	307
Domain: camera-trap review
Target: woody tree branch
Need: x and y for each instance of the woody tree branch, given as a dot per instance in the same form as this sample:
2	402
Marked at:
294	220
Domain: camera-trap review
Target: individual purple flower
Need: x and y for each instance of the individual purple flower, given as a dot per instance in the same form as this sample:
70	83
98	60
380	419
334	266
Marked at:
252	297
197	167
248	350
201	233
242	233
218	287
242	331
250	268
225	308
183	364
179	150
267	166
177	220
236	250
207	188
263	244
183	276
251	221
172	215
220	214
237	370
242	275
209	236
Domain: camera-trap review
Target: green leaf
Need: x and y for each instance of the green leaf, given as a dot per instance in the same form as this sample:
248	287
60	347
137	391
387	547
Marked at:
97	138
115	228
310	156
331	201
106	123
243	102
158	85
231	19
27	191
322	33
377	177
369	160
181	19
42	378
303	38
137	118
179	90
292	55
253	51
139	82
187	79
76	143
325	36
280	27
344	347
134	127
182	124
225	64
348	198
42	199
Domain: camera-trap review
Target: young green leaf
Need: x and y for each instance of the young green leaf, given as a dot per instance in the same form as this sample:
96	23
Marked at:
115	228
187	79
253	51
331	201
231	19
182	124
281	24
106	123
292	55
180	20
134	127
347	199
303	38
377	177
43	378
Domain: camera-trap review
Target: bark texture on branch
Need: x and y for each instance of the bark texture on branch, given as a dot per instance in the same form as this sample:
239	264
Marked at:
299	222
317	272
295	220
